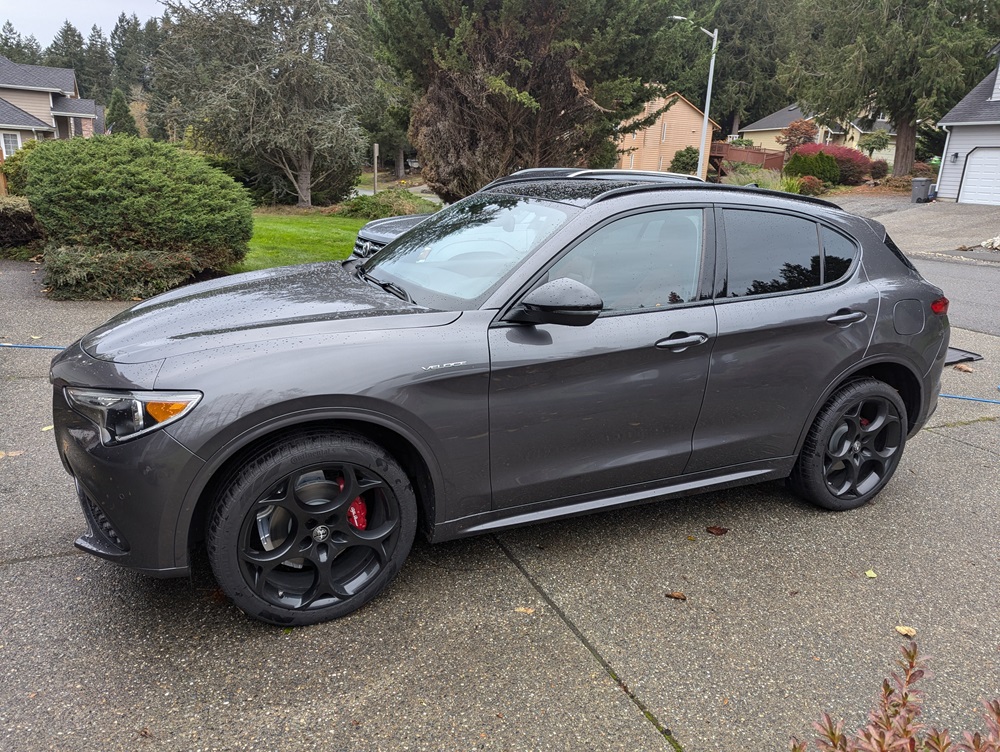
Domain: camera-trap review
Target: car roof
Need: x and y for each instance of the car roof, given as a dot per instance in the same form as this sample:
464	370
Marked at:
586	187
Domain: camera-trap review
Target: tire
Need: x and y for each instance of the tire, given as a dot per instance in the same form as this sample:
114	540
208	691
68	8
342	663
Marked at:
311	528
853	447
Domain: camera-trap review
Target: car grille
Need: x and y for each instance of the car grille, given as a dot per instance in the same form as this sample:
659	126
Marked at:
365	248
99	524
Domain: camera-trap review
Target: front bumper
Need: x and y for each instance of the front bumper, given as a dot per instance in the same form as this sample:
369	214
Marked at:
131	493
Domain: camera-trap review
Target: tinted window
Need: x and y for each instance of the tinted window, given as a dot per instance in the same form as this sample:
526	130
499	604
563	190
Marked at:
838	254
770	252
640	262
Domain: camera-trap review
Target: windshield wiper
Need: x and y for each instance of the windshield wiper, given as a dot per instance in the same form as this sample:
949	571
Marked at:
391	287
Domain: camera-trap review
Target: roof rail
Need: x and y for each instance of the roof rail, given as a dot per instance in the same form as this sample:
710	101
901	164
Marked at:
750	190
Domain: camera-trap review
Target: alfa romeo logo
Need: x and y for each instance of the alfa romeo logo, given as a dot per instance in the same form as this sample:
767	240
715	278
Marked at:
321	533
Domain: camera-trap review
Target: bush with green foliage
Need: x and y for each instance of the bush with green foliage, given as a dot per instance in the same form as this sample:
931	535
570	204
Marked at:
894	723
108	195
685	161
15	168
851	163
818	164
741	142
880	168
873	142
391	202
740	173
810	186
18	227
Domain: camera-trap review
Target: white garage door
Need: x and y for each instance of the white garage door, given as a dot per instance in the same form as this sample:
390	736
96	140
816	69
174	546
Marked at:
981	184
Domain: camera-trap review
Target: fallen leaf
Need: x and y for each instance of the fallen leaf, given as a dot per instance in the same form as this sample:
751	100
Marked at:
35	336
870	574
692	538
964	368
48	428
906	631
18	453
716	530
524	610
677	595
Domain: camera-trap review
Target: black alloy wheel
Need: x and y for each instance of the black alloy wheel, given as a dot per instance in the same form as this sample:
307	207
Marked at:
312	528
853	447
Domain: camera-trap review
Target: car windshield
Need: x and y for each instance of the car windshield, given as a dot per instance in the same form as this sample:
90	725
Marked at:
454	259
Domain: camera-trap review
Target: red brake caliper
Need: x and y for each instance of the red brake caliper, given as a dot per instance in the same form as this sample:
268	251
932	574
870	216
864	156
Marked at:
357	513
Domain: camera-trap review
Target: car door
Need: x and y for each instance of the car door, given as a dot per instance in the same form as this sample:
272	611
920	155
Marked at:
582	410
796	311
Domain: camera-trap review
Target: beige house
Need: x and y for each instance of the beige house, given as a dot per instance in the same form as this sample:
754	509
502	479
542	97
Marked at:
38	102
653	148
765	132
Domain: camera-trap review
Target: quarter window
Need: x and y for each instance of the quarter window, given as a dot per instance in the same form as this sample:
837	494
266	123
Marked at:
770	253
838	254
641	262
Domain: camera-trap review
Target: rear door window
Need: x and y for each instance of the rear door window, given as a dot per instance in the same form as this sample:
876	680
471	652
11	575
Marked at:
770	253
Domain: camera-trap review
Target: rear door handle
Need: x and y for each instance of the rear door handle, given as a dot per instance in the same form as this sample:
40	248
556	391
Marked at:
680	341
847	316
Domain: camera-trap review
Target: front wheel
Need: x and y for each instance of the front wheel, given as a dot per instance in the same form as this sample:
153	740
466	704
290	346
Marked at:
853	447
311	528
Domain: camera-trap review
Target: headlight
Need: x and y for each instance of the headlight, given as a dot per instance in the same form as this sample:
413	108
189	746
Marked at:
122	415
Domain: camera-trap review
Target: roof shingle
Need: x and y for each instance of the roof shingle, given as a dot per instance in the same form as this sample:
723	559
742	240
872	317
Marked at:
976	106
15	117
37	77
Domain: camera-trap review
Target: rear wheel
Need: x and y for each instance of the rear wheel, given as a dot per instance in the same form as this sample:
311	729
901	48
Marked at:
853	447
312	529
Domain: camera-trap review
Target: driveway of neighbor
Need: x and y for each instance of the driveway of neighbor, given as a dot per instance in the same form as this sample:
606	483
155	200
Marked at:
936	229
559	636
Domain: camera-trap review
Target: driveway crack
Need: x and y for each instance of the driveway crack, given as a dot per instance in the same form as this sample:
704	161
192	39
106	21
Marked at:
604	663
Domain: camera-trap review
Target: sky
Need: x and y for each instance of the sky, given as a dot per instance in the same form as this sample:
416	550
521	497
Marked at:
44	19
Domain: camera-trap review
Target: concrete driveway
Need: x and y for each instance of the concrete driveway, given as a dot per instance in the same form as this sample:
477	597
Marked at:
553	637
939	228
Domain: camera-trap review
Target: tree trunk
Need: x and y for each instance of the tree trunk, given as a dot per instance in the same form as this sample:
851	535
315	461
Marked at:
303	180
906	146
400	164
736	124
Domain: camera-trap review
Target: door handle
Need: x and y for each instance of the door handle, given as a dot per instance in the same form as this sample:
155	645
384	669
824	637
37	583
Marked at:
680	341
847	316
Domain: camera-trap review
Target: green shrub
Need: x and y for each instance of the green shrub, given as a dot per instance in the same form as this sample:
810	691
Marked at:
685	161
851	163
99	273
740	173
810	186
15	168
819	165
742	142
107	195
880	168
391	202
18	227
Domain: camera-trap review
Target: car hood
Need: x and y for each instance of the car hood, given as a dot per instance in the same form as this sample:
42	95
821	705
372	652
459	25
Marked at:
253	307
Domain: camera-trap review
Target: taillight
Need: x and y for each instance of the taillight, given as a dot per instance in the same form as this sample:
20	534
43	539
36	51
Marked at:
940	306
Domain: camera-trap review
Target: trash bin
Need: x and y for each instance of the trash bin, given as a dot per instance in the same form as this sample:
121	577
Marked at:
918	193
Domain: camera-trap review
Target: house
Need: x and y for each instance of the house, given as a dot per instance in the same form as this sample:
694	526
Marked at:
764	132
970	166
653	148
38	102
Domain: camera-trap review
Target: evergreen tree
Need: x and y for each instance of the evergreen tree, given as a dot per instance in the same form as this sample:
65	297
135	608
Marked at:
18	49
118	118
95	75
127	51
66	50
906	59
505	84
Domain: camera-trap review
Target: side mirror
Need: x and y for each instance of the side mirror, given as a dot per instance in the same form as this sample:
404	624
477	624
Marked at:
562	301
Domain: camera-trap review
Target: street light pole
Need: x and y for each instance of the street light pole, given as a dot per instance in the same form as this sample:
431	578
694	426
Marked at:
714	36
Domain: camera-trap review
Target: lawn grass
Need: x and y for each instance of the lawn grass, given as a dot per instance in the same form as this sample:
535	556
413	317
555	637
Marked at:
298	237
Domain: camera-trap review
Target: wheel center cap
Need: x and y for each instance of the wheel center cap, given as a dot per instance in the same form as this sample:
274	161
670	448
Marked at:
321	533
856	448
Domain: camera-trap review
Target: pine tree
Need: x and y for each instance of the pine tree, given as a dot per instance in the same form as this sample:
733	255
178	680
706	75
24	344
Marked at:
94	76
66	50
118	118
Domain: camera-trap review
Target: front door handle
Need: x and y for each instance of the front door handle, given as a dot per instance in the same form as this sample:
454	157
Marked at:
680	341
845	316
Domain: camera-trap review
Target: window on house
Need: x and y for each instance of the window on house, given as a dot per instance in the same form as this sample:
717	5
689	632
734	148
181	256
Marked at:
11	143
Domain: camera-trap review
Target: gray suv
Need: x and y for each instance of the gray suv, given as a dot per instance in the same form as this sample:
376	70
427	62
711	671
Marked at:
548	347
